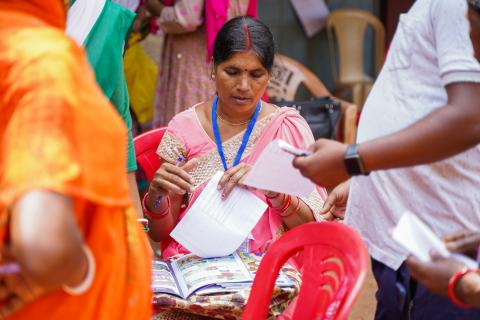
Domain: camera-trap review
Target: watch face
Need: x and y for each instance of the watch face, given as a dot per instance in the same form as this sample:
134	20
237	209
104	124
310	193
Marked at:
352	161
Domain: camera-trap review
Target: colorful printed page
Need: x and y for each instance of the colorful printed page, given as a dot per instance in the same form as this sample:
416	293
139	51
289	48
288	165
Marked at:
194	272
163	279
252	261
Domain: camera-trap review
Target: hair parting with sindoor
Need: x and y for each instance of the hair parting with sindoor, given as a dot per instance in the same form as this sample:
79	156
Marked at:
242	34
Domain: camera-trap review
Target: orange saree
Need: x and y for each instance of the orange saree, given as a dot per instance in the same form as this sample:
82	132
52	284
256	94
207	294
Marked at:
58	133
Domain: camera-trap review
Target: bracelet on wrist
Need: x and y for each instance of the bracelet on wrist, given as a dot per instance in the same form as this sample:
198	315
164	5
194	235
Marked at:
452	284
87	282
292	212
287	204
153	215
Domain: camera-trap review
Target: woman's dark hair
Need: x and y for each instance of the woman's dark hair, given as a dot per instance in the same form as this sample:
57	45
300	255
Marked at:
242	34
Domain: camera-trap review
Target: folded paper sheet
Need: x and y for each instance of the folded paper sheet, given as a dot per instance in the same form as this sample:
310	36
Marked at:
274	171
421	242
213	227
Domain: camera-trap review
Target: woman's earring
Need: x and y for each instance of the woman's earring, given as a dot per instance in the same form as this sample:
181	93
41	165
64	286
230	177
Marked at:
212	76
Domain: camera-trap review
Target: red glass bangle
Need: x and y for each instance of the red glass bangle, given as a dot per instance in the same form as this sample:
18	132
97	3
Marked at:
292	212
285	207
152	215
451	287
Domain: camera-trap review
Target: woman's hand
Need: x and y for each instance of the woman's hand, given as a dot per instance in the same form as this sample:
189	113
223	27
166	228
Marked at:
233	177
172	179
436	274
466	242
15	290
154	6
336	202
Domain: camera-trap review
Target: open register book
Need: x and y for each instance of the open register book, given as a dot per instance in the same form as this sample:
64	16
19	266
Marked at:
191	274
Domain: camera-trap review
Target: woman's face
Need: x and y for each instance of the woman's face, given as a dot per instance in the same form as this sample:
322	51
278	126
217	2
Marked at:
241	81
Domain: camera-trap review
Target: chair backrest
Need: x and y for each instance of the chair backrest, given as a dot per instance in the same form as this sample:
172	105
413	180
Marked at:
335	262
287	75
349	27
146	146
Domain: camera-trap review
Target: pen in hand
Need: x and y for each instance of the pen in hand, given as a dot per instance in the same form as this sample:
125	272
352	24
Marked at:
159	199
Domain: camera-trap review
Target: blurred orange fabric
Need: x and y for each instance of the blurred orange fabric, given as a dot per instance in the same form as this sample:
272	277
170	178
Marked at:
58	132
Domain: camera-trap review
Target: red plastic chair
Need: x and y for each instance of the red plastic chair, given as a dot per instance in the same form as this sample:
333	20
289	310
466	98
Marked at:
146	146
334	269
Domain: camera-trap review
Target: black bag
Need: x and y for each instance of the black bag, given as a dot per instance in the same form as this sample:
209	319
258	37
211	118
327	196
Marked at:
322	115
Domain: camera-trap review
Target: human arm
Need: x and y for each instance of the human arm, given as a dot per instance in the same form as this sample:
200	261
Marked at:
183	16
155	6
49	251
414	145
436	275
171	183
466	242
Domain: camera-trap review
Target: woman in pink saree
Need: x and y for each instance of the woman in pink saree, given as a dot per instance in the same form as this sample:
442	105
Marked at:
228	134
191	155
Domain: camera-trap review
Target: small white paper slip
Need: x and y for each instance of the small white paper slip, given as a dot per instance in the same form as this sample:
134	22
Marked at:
420	241
213	227
274	171
312	14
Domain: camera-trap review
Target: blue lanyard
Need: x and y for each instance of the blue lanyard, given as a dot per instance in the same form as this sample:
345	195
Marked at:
246	136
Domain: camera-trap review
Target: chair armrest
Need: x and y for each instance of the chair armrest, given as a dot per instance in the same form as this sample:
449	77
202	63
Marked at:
349	120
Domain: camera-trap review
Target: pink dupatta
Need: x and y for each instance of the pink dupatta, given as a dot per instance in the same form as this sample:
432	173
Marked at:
286	124
216	14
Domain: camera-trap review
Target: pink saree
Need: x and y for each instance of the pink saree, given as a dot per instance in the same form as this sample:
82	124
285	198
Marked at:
186	137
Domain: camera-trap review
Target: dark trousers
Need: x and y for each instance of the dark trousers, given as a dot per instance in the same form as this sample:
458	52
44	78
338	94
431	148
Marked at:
399	297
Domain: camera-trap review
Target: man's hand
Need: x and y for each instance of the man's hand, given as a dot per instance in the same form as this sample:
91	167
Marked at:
436	274
465	242
337	201
325	165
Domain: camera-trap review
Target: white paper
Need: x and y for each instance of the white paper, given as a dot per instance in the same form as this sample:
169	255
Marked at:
213	227
274	171
420	241
313	15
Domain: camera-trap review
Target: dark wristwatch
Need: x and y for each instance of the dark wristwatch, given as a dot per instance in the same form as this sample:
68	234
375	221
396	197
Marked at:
353	162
